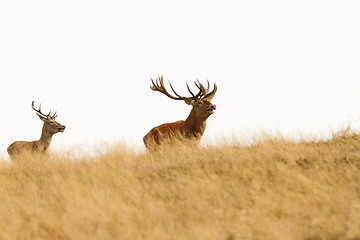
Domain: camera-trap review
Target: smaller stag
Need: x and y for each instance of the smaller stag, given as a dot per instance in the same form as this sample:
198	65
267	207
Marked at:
194	126
50	127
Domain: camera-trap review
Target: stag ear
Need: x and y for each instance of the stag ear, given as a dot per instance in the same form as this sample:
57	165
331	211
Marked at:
42	118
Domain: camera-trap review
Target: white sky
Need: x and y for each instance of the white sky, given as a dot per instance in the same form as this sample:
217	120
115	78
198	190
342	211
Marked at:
287	66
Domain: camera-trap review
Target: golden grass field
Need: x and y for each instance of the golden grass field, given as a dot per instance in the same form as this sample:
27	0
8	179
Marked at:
274	189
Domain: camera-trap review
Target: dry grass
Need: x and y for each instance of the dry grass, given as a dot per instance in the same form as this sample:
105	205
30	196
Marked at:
276	189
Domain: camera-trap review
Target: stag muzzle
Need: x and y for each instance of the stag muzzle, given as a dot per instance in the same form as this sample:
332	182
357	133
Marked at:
62	128
211	109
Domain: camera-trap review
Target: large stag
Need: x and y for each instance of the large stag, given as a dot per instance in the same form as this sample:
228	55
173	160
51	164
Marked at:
50	127
194	126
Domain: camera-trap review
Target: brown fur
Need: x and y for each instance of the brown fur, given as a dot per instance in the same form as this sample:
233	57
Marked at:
192	128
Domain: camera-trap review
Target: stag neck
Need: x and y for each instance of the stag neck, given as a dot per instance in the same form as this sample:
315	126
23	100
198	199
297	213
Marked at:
45	138
194	123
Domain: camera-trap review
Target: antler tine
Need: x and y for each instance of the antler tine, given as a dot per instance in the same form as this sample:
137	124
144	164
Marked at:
187	85
181	97
160	81
211	94
153	87
159	86
198	84
205	90
32	105
38	111
208	86
194	97
54	116
200	87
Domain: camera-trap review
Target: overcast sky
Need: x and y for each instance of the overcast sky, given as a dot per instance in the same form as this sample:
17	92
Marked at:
287	66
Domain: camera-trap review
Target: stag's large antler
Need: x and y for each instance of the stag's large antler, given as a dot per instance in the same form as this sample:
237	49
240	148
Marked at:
48	116
210	95
159	86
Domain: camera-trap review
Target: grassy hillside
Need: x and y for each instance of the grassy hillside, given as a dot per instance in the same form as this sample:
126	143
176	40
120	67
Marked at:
276	189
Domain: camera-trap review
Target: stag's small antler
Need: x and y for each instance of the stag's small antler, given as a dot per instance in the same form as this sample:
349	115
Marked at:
159	86
48	116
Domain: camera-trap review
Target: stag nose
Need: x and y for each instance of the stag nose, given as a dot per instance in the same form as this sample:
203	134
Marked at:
214	106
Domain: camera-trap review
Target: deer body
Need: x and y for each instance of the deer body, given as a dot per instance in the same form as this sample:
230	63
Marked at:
193	127
50	127
174	130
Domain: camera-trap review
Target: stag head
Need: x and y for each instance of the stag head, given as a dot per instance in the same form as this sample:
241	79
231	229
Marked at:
201	102
50	125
